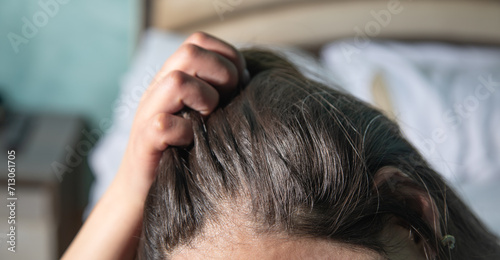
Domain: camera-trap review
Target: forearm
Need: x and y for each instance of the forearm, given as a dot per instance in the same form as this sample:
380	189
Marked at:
113	228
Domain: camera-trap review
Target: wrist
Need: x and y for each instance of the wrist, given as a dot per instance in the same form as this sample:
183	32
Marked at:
127	186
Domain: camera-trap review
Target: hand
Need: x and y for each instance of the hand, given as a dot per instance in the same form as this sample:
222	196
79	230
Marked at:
195	76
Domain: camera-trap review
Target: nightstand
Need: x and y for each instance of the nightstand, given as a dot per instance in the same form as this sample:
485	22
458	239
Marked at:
50	185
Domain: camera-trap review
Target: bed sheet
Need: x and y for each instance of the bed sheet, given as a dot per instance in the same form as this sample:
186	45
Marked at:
446	99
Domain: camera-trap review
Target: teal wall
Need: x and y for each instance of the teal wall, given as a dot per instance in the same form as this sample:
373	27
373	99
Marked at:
65	56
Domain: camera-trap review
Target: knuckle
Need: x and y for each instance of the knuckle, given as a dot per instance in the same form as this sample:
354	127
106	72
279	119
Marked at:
227	75
176	78
162	122
198	37
190	50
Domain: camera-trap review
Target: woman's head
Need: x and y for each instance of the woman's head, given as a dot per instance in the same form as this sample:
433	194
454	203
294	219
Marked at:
289	167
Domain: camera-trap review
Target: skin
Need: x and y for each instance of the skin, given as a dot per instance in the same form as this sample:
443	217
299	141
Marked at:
235	238
276	248
200	73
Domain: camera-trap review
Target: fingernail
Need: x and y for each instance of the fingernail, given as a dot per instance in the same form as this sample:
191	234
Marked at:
246	77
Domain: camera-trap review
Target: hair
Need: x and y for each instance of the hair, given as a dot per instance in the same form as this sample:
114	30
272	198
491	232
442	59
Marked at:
304	157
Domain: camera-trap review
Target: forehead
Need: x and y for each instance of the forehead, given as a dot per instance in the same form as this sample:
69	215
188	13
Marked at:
234	236
275	248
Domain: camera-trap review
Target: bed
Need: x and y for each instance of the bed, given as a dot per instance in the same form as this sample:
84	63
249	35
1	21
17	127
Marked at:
439	51
309	23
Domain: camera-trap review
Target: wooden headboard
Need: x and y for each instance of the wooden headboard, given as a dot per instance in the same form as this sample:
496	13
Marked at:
314	22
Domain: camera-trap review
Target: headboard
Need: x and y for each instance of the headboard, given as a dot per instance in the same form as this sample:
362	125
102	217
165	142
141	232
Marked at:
315	22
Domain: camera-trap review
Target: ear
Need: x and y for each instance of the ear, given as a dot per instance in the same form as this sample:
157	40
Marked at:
419	199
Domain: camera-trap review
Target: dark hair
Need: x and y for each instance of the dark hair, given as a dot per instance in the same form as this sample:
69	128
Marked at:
304	157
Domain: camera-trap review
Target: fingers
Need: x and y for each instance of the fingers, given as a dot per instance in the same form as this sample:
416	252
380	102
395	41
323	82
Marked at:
210	59
221	47
179	89
165	130
207	65
203	69
195	76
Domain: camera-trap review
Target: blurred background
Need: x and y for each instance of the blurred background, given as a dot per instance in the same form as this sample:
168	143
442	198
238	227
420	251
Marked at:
61	63
73	61
72	72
